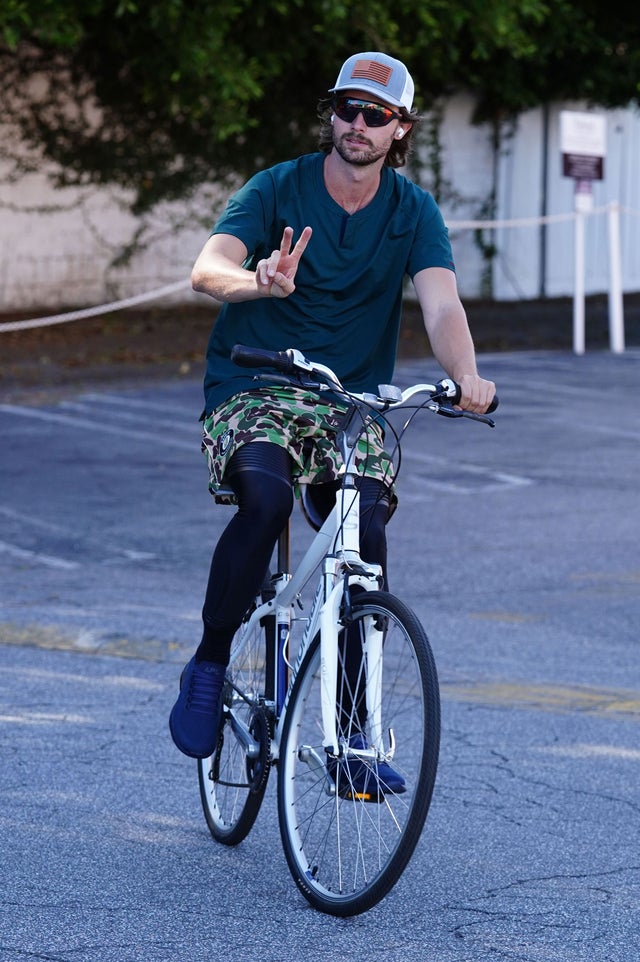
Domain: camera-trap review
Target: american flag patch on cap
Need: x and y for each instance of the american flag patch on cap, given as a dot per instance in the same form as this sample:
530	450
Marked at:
372	70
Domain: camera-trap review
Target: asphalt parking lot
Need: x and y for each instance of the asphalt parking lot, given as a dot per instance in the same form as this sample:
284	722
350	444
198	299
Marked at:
517	547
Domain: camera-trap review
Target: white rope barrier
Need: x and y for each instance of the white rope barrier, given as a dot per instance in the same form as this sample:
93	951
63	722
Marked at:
616	311
95	311
519	222
628	210
616	319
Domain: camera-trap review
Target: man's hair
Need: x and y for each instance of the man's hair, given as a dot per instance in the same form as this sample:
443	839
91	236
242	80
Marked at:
399	150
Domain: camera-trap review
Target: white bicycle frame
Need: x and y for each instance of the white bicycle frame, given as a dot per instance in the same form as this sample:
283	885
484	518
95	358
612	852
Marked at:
337	547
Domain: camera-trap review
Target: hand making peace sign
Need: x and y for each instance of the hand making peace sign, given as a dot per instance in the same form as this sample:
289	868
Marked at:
275	274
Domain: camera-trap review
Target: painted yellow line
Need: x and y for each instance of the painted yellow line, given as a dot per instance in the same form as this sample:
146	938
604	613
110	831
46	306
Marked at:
593	751
605	702
89	643
608	577
510	617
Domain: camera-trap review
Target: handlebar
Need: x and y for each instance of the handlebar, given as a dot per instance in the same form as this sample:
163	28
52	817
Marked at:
444	395
492	407
258	357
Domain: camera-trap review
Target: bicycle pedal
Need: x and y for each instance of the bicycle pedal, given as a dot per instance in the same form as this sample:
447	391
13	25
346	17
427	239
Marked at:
362	796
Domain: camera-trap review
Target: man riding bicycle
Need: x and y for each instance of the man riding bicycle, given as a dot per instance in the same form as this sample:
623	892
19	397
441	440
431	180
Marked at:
312	254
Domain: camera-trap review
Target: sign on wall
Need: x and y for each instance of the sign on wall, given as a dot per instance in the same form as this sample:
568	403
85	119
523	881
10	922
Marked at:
583	142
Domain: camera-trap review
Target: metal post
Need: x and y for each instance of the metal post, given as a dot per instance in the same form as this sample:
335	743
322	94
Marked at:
578	291
616	310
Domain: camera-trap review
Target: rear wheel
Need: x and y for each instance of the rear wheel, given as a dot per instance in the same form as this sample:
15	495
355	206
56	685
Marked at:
347	848
233	780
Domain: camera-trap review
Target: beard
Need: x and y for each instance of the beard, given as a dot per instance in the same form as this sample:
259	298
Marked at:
359	151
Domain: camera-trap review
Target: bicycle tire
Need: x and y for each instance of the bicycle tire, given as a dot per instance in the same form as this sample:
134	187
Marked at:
232	785
346	854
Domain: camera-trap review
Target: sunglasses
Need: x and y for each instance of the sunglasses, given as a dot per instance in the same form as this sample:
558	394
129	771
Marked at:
374	115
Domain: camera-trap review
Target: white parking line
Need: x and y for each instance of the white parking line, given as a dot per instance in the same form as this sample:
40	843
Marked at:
39	524
96	425
489	480
117	414
50	561
146	405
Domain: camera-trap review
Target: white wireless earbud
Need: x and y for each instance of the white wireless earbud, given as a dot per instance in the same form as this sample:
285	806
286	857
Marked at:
333	117
400	133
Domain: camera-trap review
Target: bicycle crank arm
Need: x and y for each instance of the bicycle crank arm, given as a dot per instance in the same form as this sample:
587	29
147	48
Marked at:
311	758
250	745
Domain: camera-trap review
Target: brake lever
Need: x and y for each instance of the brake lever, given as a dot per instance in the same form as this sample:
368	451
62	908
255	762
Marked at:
447	411
479	417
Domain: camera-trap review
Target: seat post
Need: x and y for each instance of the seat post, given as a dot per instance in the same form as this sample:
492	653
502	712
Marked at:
284	556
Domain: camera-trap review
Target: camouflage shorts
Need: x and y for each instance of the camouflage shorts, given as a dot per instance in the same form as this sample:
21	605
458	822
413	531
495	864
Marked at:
296	420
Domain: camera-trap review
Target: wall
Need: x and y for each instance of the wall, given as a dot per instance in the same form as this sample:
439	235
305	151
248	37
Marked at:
67	248
524	268
466	160
64	248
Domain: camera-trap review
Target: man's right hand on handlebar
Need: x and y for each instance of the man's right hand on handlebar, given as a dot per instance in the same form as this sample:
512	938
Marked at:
476	393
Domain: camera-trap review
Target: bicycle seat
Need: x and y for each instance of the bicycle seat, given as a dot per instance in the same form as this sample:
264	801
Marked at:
225	496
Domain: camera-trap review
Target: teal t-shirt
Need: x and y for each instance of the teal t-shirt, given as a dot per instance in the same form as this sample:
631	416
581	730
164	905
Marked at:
345	310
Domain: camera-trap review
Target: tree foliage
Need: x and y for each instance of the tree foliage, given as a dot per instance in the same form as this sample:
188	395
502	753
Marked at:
162	95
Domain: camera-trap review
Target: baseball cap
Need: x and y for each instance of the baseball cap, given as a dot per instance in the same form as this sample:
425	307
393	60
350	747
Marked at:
376	73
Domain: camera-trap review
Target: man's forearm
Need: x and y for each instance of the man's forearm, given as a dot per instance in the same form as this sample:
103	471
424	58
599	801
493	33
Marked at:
452	343
222	279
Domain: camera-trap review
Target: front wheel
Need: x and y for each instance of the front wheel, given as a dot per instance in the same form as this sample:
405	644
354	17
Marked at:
233	780
348	833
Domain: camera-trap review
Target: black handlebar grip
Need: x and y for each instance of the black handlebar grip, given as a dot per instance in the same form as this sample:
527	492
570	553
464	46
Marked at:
492	407
258	357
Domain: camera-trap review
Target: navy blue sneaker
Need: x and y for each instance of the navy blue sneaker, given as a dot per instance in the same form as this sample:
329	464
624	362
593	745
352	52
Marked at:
364	779
195	718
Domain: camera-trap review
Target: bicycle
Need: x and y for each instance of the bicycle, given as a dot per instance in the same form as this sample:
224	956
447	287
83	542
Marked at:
359	694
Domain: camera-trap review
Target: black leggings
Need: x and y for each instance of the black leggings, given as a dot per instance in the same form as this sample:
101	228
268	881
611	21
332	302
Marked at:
260	475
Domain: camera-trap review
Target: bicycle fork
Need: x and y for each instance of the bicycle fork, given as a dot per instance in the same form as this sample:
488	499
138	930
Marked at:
330	626
325	616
